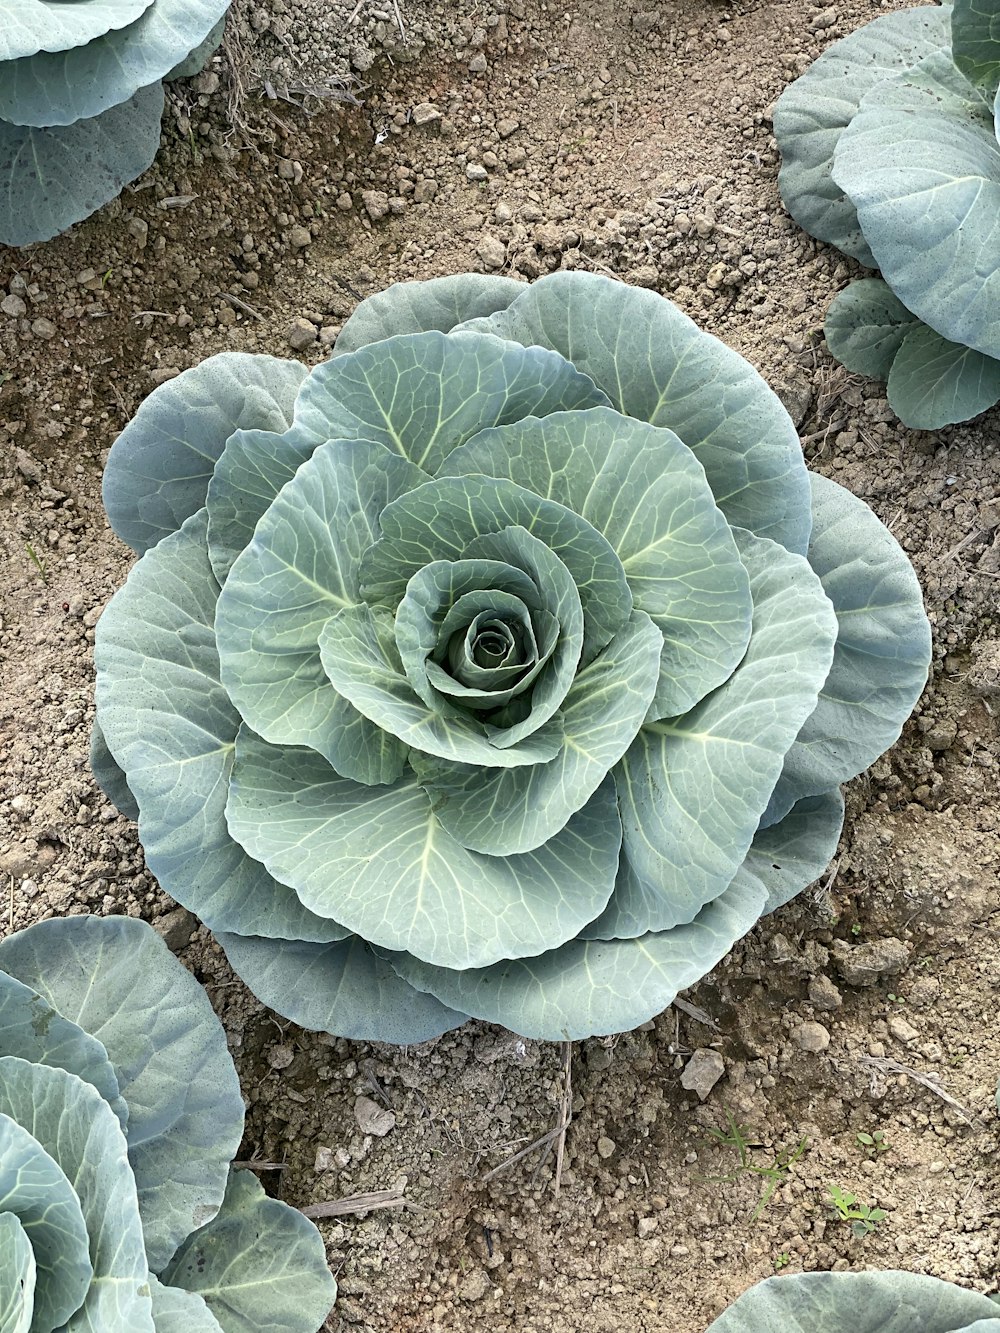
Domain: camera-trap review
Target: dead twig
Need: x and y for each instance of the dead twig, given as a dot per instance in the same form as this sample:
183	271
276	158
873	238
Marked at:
566	1114
361	1203
885	1065
692	1011
237	304
261	1166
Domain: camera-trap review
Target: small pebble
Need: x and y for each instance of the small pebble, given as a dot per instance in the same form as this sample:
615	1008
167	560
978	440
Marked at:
280	1056
703	1071
372	1118
301	334
475	1285
811	1037
606	1147
475	172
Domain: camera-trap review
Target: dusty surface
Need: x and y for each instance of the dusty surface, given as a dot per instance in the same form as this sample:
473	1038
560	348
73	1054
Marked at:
623	137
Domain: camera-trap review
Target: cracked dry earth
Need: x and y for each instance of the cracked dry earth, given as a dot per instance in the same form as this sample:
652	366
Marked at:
334	148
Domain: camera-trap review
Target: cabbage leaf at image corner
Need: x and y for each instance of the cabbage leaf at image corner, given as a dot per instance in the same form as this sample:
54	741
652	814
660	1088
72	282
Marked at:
507	664
120	1114
81	96
889	152
887	1302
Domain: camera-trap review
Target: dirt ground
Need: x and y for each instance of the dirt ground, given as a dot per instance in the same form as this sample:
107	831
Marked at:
621	136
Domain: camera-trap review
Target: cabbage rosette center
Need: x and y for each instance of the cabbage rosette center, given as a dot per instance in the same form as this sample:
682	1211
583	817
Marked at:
506	664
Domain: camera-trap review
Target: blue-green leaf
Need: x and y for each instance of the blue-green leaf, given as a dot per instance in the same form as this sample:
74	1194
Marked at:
18	1275
812	113
51	178
177	1311
518	809
865	327
27	26
110	777
358	651
421	394
171	728
692	790
31	1028
975	42
645	491
378	860
882	654
57	88
259	1265
77	1128
656	365
119	982
594	986
300	569
345	988
35	1190
934	382
416	307
441	519
887	1302
921	163
159	468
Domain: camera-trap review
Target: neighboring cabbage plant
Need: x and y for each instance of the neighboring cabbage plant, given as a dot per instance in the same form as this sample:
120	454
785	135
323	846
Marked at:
81	95
120	1113
889	1302
507	664
890	152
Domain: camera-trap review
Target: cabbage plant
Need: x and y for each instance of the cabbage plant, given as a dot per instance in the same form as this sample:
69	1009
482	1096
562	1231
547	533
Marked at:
889	1302
81	95
120	1113
506	664
890	153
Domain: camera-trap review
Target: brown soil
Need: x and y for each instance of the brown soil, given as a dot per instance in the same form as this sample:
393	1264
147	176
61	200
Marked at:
642	147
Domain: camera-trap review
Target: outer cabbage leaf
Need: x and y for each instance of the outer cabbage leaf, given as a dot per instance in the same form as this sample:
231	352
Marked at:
259	1265
196	60
921	163
171	727
58	88
176	1311
35	1190
32	1029
656	365
812	113
887	1302
416	307
643	490
934	382
303	567
692	790
931	382
53	177
975	42
110	777
18	1275
120	983
596	987
378	860
345	988
882	654
27	26
159	467
866	325
78	1129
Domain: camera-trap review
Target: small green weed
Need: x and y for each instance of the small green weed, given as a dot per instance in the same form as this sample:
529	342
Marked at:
774	1175
781	1261
39	564
862	1217
872	1144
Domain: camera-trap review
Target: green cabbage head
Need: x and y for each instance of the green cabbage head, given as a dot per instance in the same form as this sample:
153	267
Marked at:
890	152
889	1302
507	664
81	95
120	1113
